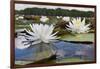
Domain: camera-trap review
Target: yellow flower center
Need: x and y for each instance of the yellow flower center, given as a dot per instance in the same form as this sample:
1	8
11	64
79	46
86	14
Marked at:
78	24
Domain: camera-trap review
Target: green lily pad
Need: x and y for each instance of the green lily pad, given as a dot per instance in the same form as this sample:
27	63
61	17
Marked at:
78	37
69	60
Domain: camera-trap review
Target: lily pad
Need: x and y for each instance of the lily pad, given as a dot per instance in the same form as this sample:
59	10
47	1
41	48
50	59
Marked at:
78	37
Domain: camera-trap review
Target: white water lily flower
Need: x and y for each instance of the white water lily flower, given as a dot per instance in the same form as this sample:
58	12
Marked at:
78	26
58	17
43	33
44	19
40	33
67	19
20	17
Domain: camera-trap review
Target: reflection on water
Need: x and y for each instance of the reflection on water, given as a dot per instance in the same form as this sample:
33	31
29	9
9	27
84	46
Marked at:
65	52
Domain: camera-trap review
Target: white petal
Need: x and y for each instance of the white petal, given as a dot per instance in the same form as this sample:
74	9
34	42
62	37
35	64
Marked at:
83	22
36	42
